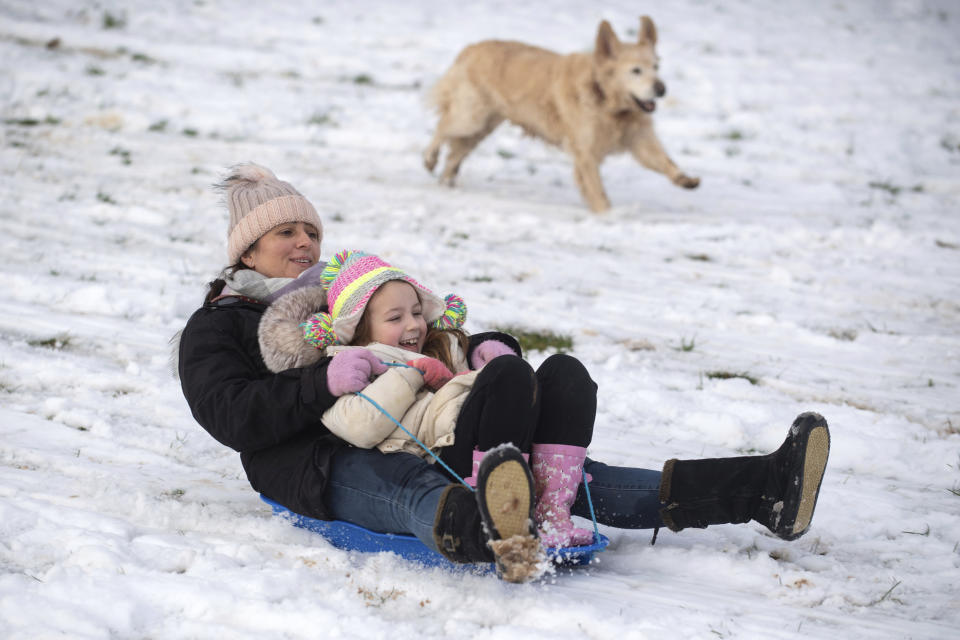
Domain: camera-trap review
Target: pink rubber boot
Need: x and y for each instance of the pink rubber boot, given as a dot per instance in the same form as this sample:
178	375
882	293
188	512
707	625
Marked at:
477	457
557	471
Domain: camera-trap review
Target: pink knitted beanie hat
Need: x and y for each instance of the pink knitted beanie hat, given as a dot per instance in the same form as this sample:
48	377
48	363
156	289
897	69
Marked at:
258	201
351	278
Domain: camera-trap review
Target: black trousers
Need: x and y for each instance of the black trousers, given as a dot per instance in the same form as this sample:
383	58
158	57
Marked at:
510	402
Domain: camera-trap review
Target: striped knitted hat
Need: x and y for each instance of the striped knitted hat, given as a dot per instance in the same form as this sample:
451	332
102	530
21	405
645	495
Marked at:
351	278
258	201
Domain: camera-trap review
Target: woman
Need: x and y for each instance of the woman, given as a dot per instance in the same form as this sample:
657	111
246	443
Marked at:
274	421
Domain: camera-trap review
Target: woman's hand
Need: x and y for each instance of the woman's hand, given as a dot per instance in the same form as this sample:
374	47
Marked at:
435	373
351	370
487	351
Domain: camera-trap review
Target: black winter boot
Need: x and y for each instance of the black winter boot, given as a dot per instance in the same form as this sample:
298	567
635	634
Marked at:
458	529
778	490
505	497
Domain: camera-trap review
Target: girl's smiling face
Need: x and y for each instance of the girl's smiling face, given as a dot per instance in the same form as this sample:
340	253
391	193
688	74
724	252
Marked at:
285	251
395	316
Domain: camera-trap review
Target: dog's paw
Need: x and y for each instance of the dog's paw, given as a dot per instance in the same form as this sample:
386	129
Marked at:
600	206
430	160
687	182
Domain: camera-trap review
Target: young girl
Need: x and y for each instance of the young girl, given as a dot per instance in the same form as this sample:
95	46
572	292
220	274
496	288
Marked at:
433	390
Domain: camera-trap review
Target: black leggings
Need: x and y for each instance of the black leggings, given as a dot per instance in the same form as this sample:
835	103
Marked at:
510	402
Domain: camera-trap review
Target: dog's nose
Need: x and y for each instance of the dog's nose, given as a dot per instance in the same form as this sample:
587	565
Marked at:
659	88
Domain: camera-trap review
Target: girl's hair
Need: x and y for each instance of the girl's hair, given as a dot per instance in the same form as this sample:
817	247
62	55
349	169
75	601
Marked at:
436	345
215	287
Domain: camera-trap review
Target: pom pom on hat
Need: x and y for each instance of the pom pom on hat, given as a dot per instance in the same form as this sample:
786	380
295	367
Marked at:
333	266
318	330
454	313
259	201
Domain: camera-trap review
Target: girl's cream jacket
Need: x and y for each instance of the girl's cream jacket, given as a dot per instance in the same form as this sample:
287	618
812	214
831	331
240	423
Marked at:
430	416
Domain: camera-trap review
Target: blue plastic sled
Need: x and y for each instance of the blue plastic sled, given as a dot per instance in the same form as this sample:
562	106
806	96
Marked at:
351	537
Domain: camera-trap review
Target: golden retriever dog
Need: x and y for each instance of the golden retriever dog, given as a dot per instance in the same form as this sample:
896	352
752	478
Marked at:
590	104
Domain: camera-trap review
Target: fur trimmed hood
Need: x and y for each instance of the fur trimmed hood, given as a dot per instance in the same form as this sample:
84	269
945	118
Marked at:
280	335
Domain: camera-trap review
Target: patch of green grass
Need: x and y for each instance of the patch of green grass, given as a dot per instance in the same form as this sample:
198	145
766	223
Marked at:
686	346
893	189
158	126
321	118
111	21
105	197
190	133
844	335
124	154
57	343
479	279
94	70
31	122
363	78
539	340
728	375
506	155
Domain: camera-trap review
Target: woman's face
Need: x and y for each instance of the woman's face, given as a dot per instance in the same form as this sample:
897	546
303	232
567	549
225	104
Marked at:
395	316
285	251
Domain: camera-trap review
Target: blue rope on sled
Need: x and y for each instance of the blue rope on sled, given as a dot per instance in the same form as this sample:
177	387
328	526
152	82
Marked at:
351	537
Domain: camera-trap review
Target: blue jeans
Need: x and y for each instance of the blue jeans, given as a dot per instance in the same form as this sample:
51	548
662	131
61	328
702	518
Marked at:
399	493
623	497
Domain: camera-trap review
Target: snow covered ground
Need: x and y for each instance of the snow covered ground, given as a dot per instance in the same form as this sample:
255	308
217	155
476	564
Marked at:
818	265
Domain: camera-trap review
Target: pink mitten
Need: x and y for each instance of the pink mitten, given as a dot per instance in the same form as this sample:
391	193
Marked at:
435	373
487	351
351	371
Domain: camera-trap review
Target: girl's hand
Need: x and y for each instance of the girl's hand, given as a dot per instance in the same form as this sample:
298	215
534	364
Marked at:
435	373
351	370
487	351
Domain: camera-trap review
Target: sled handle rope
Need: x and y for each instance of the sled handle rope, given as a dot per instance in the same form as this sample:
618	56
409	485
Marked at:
415	439
586	483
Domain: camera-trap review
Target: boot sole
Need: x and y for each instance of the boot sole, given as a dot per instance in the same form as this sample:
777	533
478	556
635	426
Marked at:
814	465
505	498
815	447
507	508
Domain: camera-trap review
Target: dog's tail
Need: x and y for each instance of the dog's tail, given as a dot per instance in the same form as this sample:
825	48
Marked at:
438	98
441	94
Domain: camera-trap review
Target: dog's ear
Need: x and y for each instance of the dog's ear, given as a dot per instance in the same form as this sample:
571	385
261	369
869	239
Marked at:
607	42
648	32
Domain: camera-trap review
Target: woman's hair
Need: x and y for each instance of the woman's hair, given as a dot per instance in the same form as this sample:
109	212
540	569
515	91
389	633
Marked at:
436	345
215	287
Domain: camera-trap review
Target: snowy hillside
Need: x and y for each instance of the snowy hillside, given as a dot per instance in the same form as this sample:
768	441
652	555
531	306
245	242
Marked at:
816	268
